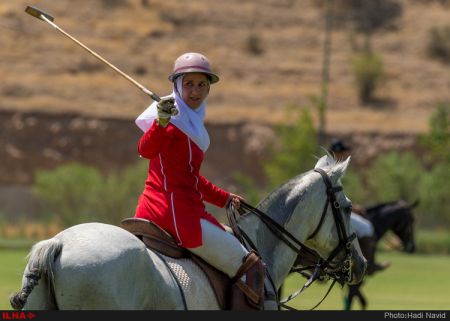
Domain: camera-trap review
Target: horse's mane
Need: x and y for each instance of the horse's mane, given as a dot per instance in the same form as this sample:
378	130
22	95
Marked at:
377	207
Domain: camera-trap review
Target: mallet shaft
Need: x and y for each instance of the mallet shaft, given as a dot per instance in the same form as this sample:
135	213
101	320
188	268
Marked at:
49	19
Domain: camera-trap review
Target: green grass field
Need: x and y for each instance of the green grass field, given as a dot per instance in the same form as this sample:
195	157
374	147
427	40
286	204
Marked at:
413	282
12	264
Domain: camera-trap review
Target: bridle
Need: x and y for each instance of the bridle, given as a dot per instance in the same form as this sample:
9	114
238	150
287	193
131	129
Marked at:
323	269
343	271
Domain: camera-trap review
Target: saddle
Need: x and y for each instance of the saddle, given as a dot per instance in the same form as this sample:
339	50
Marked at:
155	238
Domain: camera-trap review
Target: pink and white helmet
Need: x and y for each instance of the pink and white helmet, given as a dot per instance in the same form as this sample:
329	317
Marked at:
192	62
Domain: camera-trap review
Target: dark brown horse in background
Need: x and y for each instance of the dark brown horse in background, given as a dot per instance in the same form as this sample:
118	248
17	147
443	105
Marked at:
395	216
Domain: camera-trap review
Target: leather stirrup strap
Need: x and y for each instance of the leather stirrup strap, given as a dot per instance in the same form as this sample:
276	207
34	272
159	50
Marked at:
249	292
248	261
253	287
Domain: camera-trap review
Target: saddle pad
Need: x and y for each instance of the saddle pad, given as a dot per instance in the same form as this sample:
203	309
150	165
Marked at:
194	283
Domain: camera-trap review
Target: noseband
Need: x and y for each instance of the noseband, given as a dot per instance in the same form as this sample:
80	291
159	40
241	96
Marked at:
341	273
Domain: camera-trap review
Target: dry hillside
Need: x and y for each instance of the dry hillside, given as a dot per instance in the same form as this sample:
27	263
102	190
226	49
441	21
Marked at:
42	70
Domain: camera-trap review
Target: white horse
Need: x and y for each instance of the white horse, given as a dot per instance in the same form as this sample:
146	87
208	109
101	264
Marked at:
100	266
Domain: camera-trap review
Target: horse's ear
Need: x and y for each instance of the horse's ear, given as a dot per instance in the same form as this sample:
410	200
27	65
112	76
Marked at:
325	161
416	202
340	168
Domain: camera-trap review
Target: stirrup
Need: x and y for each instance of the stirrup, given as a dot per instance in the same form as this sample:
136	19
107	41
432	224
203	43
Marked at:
253	287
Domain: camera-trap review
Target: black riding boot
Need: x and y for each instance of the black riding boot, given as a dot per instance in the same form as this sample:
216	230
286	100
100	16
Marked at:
368	246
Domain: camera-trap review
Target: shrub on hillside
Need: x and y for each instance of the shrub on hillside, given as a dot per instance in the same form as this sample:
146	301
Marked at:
114	3
76	193
69	192
402	175
394	175
439	43
433	241
254	45
368	16
367	70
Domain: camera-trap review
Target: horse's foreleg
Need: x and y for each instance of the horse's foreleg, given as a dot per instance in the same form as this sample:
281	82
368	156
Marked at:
361	298
349	298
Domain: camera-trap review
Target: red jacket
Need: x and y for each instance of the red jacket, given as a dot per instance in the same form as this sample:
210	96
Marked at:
174	190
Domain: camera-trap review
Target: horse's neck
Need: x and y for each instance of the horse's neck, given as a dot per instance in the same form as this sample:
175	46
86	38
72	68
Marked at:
294	213
276	255
382	222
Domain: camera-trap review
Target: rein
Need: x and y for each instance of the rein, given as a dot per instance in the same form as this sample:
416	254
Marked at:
343	271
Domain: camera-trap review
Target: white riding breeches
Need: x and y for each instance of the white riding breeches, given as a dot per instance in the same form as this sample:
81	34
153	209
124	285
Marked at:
220	249
362	227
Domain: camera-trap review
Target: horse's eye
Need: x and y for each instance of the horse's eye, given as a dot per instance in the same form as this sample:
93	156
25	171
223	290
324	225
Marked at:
348	209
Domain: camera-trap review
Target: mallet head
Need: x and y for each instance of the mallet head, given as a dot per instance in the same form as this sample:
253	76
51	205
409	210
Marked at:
38	13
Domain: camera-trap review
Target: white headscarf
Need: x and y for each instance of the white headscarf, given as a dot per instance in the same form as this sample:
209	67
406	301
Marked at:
188	120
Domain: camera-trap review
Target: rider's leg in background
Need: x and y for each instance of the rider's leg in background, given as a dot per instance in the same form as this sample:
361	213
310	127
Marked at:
368	247
367	241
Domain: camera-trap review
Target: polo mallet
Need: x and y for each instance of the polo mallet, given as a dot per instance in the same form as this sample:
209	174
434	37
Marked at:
49	19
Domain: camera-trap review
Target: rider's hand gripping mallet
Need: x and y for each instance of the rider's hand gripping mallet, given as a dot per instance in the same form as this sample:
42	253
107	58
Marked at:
49	19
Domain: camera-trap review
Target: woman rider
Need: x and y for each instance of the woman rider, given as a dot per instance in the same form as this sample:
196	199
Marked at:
175	140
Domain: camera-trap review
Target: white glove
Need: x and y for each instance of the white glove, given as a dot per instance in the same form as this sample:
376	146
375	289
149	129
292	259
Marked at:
166	108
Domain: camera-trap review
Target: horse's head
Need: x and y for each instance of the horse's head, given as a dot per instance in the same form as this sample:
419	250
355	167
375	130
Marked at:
309	211
396	216
332	237
403	225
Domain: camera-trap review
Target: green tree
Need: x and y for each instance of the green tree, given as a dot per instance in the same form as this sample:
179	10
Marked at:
394	175
253	192
292	153
367	70
434	191
119	193
435	183
294	150
353	187
437	140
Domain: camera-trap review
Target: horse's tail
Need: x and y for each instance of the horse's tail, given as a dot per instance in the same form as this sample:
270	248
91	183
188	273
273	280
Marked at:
40	263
